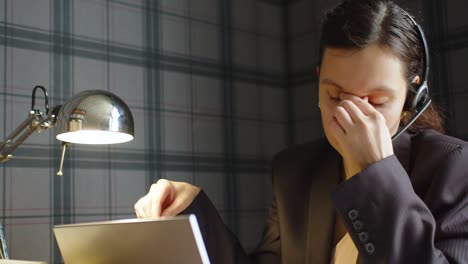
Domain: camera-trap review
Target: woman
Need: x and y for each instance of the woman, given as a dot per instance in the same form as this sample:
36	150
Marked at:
356	196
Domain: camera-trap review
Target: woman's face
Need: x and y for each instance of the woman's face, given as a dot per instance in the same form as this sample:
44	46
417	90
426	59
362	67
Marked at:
373	73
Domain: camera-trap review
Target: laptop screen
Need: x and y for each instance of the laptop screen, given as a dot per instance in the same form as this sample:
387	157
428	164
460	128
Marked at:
167	240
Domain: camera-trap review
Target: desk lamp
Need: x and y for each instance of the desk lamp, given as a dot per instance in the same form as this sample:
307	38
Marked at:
89	117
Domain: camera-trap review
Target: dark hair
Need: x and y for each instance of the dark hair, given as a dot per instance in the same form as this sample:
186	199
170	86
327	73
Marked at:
361	23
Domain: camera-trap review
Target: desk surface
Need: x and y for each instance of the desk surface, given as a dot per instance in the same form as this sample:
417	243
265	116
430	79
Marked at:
9	261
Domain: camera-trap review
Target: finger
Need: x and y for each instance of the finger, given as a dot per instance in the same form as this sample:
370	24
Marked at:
364	105
158	195
342	117
340	137
139	210
336	130
353	111
181	202
175	208
186	193
356	99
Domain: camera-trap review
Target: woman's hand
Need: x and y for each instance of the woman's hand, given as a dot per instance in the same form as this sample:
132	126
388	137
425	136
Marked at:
361	132
166	198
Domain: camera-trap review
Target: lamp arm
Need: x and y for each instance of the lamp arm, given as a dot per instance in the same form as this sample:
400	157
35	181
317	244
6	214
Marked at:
7	146
34	122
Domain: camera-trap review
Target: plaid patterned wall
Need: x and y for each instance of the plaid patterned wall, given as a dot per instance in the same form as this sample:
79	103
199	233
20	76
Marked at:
446	28
205	79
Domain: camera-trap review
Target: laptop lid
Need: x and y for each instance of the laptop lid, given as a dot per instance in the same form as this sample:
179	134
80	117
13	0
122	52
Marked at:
167	240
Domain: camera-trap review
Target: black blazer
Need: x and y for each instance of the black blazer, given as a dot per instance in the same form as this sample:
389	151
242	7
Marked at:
411	207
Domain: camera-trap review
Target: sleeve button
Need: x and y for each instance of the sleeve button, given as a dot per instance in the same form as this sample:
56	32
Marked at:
363	236
370	248
358	225
353	214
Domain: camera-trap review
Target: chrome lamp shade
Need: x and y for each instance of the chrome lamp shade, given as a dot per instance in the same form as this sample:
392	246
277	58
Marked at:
89	117
95	117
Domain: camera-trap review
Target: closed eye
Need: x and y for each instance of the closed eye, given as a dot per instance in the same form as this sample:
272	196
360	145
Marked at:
376	105
333	97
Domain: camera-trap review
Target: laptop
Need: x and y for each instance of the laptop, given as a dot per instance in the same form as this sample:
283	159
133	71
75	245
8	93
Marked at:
167	240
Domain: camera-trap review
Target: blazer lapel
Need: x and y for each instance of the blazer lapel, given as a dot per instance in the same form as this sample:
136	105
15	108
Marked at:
321	210
402	150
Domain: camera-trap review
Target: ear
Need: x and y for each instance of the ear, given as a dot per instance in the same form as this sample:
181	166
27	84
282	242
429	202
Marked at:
416	80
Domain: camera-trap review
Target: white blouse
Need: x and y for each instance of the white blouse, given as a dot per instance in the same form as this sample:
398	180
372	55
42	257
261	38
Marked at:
345	252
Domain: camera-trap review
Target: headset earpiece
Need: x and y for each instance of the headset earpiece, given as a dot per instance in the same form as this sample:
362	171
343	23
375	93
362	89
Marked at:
421	96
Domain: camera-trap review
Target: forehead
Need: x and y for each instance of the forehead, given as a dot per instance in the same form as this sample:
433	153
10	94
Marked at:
363	69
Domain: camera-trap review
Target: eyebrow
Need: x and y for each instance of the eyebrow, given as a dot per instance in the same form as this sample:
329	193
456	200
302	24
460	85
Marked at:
381	88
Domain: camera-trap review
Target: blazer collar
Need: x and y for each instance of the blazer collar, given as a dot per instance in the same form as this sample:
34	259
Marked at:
321	209
402	149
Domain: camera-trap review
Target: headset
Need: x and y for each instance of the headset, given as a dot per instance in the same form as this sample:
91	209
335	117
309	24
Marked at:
421	99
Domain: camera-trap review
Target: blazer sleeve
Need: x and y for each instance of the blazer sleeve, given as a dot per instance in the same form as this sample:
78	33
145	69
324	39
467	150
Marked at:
390	223
223	246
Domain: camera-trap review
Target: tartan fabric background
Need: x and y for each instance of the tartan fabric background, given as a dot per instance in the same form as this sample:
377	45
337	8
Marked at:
216	87
205	80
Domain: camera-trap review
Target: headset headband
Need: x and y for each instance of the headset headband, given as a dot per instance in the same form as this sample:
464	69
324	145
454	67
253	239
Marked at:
422	39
